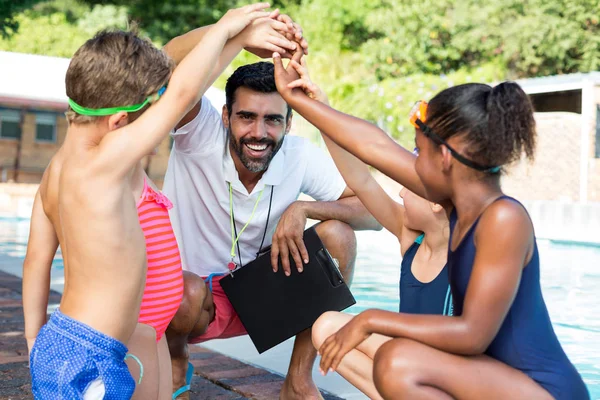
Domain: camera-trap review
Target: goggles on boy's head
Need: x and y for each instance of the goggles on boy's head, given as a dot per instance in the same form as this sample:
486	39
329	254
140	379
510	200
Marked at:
418	117
101	112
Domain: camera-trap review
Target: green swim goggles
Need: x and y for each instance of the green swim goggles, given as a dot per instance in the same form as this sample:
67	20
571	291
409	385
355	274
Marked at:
101	112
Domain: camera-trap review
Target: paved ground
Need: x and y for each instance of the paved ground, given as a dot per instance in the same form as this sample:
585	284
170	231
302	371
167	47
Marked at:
216	376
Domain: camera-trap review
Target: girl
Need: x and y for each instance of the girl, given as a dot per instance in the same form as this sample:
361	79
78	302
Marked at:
501	343
162	294
422	230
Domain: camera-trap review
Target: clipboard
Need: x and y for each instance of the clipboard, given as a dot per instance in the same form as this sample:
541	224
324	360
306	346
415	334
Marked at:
274	307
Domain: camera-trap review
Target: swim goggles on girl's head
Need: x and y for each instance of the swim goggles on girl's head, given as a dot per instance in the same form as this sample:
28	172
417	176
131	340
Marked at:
100	112
418	117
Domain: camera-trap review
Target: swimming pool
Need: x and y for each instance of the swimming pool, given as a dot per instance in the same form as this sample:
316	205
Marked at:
570	281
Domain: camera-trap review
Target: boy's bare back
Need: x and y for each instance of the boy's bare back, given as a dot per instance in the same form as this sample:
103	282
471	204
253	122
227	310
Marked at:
95	218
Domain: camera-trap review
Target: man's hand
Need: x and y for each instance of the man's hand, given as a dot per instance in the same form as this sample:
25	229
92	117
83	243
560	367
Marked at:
276	33
289	239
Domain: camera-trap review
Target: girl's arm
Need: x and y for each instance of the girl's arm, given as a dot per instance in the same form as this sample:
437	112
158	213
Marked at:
386	211
359	137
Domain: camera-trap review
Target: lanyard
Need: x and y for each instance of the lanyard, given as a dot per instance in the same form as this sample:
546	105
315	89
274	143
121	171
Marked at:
235	236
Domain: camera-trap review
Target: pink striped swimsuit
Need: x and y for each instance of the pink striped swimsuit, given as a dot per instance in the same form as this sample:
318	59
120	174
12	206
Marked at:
164	280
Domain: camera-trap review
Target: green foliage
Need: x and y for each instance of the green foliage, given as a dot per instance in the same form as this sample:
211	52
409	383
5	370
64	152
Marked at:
58	28
163	20
9	24
530	37
374	58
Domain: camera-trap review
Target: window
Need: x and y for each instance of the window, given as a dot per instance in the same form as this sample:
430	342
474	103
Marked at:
45	127
10	124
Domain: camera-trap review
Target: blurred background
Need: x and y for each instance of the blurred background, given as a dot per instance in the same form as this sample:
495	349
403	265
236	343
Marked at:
374	59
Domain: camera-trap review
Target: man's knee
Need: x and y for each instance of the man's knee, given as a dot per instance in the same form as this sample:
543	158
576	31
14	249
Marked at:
190	309
340	240
337	233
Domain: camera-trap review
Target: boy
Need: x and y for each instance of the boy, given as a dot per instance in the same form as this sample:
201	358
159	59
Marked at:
86	198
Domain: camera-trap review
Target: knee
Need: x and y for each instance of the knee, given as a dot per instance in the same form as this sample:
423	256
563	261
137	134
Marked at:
194	293
194	288
324	327
339	238
337	232
393	370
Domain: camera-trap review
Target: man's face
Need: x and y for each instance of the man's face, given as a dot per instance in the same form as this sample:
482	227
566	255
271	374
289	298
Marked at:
257	126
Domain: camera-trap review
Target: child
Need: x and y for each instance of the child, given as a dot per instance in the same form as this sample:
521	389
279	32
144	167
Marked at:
422	230
164	284
85	201
500	343
164	281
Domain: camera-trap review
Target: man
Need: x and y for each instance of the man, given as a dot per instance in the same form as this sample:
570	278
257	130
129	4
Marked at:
234	180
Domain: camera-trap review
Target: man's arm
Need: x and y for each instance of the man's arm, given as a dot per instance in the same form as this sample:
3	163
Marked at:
288	236
348	208
41	249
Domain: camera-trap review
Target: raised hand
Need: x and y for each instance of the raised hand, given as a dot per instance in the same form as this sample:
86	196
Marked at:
267	35
294	32
276	33
286	75
235	20
305	83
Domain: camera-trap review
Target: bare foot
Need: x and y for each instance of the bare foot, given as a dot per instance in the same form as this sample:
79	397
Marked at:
179	367
297	389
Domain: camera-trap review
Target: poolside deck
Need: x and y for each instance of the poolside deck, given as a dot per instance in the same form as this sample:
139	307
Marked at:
216	376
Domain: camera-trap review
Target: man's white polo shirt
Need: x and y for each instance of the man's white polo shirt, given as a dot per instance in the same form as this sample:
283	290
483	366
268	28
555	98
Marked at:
200	167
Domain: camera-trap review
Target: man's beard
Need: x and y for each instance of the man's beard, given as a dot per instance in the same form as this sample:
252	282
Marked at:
255	164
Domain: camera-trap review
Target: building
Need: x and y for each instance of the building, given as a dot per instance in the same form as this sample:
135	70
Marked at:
32	122
567	163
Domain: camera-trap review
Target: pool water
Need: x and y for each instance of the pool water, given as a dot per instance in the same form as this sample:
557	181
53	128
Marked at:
570	282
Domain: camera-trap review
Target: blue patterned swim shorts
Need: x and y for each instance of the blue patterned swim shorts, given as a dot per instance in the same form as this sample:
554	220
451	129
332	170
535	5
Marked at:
70	360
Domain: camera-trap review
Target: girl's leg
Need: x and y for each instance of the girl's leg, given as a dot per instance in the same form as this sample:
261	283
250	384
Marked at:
406	369
165	390
142	344
357	366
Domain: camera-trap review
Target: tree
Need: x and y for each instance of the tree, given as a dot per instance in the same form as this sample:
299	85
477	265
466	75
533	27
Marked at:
48	30
530	38
8	10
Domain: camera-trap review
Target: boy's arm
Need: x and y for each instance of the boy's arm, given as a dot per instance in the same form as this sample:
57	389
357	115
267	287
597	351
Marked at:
262	37
41	249
122	148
